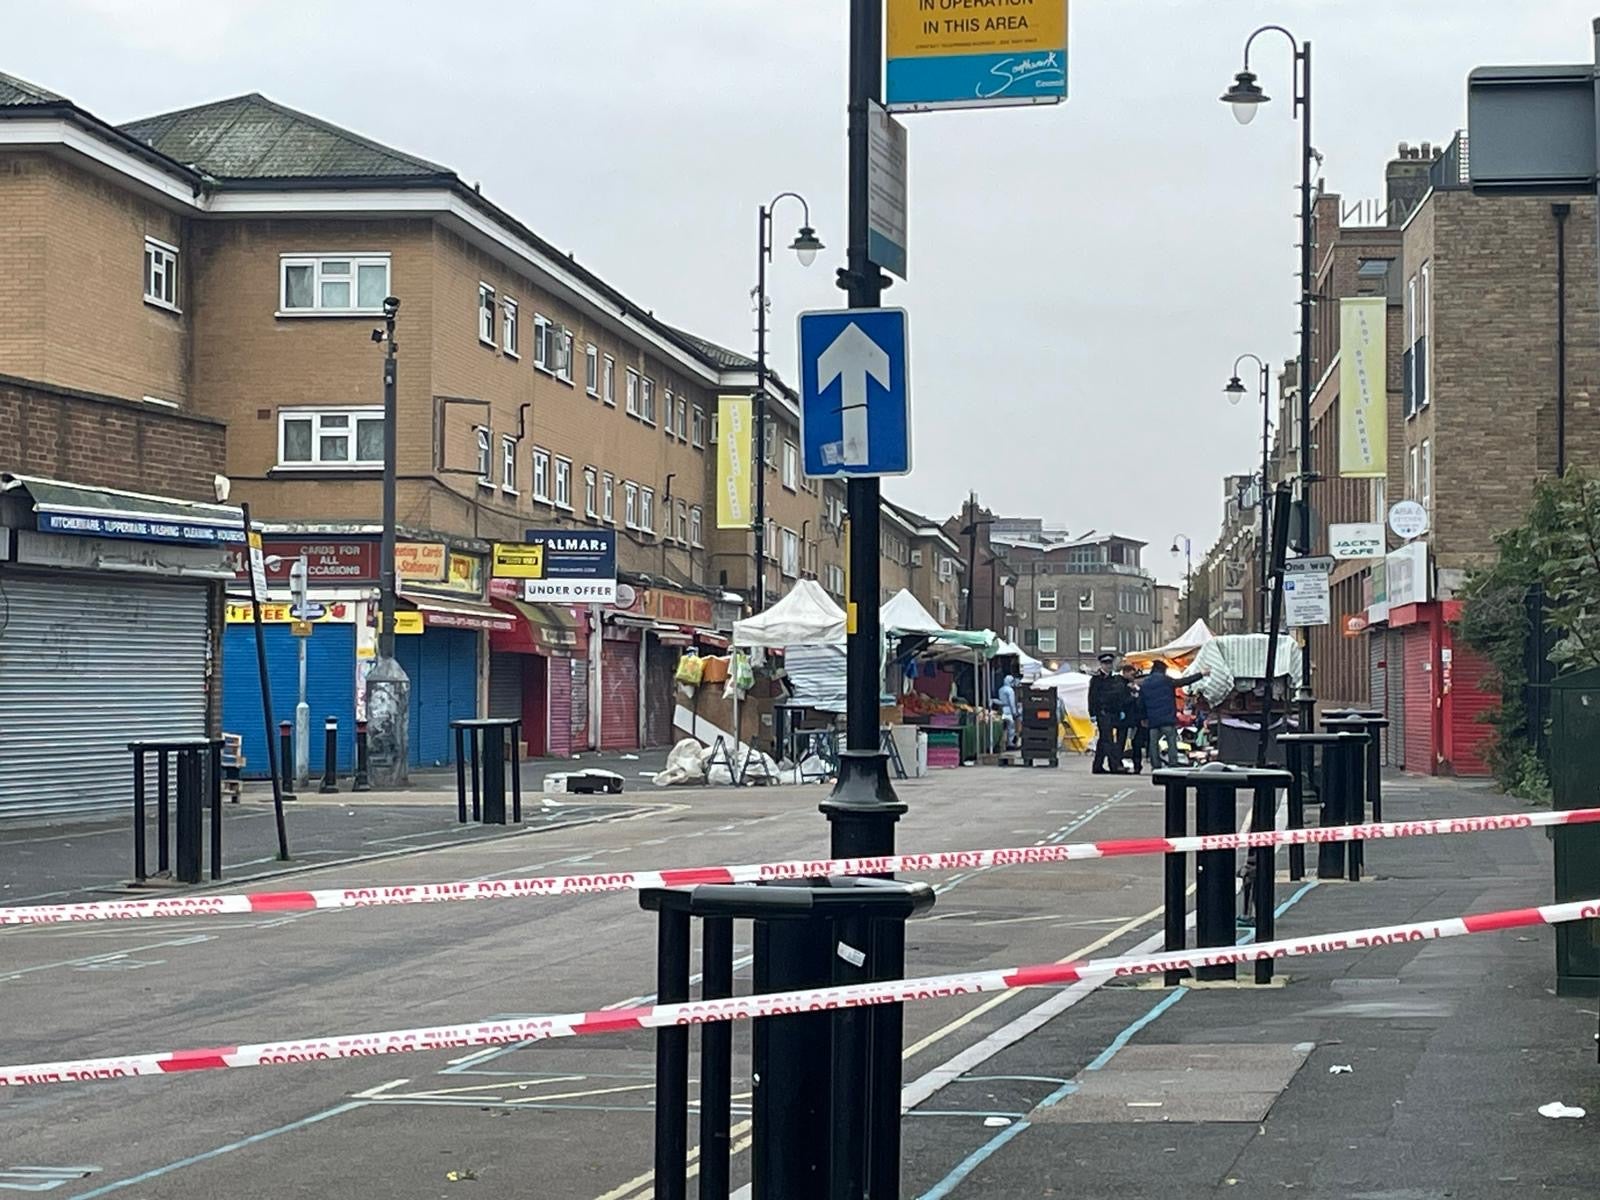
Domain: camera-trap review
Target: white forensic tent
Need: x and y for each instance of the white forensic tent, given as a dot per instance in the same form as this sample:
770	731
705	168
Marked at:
807	616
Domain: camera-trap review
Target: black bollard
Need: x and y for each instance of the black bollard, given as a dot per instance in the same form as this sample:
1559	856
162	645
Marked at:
139	873
1330	855
1294	763
163	809
1176	877
515	733
1213	872
494	774
716	1059
1264	860
461	773
214	795
187	868
672	1058
330	756
362	781
286	759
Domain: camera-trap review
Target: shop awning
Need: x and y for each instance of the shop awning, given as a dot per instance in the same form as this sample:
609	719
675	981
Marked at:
533	628
71	508
458	614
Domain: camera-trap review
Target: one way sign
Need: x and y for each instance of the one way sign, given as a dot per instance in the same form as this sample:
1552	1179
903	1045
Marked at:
855	397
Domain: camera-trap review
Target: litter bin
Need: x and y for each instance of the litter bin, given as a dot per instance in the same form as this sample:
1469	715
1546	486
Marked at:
1574	766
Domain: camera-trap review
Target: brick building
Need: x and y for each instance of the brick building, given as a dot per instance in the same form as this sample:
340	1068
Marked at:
239	254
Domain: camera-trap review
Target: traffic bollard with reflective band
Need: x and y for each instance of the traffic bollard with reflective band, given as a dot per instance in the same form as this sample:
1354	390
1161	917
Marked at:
330	756
1216	787
286	759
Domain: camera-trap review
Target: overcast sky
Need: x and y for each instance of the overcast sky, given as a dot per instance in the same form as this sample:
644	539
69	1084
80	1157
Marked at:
1082	276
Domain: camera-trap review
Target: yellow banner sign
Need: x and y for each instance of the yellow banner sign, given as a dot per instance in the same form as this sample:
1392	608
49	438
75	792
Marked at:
733	462
404	622
919	28
1363	388
420	562
518	560
272	613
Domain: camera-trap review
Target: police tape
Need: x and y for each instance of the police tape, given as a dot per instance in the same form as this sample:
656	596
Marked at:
804	868
739	1008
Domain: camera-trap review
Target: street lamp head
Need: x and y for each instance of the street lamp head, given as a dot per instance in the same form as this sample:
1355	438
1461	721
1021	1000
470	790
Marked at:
1175	549
391	306
1234	390
805	245
1245	96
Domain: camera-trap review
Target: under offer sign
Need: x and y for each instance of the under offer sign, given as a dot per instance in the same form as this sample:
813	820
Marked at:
562	566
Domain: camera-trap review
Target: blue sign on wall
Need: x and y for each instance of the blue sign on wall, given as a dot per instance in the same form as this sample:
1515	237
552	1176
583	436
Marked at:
855	395
144	529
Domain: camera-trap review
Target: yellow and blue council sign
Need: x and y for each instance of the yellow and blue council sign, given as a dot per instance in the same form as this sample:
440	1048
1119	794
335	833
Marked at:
975	53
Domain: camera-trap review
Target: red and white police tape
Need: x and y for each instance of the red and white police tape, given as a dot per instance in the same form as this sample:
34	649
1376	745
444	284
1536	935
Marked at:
651	1016
633	881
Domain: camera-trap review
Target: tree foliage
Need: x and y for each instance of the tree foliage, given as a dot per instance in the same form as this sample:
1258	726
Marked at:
1556	551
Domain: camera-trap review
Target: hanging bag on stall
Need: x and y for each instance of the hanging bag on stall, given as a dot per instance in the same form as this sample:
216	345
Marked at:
691	668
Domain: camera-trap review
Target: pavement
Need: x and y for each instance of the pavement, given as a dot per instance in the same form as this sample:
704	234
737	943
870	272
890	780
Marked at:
1049	1092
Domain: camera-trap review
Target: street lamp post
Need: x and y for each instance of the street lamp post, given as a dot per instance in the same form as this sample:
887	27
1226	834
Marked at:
1235	391
1188	575
805	247
1245	96
388	687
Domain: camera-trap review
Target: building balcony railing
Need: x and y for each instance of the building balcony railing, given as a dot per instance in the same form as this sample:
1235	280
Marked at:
1451	171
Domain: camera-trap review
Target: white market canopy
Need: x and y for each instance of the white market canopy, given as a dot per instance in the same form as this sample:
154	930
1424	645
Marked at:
1183	647
807	616
905	614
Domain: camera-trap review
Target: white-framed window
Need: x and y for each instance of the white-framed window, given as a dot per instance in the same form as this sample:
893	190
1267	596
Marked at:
564	356
608	498
508	465
541	342
630	504
647	400
332	284
541	475
591	369
769	443
647	510
683	523
836	579
564	483
1413	473
791	553
508	327
330	437
485	462
943	613
632	391
791	466
716	418
696	527
669	416
591	489
697	427
486	314
1425	475
608	379
683	419
1047	641
160	274
947	567
770	531
1086	641
1047	600
1086	600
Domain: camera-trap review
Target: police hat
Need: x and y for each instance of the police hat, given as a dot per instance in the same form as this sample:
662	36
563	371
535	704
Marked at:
1108	658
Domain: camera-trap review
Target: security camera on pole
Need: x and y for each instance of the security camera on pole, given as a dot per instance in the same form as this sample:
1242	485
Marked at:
388	687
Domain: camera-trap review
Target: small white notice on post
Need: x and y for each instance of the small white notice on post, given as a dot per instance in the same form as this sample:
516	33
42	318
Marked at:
1306	601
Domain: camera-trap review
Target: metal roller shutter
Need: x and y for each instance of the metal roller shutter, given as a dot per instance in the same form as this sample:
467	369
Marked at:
619	695
505	685
443	666
330	689
560	707
580	703
1378	681
85	668
1472	695
1396	683
661	692
1421	753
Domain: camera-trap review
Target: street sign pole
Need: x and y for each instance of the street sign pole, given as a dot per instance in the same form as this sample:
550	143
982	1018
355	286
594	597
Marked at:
863	808
299	587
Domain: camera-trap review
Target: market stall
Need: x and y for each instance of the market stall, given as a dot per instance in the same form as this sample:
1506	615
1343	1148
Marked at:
1180	651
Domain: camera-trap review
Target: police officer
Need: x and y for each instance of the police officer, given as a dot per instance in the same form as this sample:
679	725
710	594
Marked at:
1108	694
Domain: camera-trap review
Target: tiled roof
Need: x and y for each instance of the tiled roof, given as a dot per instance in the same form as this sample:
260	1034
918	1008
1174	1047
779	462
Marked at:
729	360
17	93
251	137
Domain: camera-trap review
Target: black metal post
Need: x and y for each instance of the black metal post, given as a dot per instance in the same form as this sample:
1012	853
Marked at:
1294	762
214	789
252	546
494	774
1266	478
163	811
759	433
1280	550
888	961
461	774
187	860
1559	212
1331	788
716	1059
1176	880
863	808
286	758
140	874
330	756
852	1040
672	1058
1355	807
515	731
1213	877
391	450
1263	810
477	775
363	780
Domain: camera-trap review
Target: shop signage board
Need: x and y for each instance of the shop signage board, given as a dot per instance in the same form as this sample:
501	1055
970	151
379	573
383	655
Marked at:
404	622
943	54
886	191
855	396
1359	539
564	566
734	422
89	523
677	608
1407	575
421	562
339	612
329	562
1408	519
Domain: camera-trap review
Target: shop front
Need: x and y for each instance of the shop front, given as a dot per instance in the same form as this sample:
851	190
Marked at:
108	606
534	672
674	623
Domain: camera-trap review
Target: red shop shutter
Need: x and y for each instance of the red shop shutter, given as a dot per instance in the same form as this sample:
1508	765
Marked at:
1470	674
619	695
1421	754
561	708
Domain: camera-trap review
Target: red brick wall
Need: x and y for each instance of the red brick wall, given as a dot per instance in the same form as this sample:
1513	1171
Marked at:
79	437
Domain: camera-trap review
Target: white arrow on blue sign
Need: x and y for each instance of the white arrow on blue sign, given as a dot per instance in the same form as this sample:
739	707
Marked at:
855	395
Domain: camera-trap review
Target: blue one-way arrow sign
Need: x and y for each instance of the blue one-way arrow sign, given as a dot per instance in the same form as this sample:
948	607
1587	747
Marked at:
855	398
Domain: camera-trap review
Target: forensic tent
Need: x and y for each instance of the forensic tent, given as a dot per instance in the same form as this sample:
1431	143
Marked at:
1180	650
1072	688
807	616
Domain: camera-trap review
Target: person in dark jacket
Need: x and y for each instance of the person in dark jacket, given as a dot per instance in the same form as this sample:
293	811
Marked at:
1158	691
1130	731
1107	695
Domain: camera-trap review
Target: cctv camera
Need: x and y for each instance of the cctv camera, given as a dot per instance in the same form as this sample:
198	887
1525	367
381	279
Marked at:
391	305
223	486
377	336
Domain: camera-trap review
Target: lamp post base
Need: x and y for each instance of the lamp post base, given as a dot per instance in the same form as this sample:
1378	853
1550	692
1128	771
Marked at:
389	724
863	808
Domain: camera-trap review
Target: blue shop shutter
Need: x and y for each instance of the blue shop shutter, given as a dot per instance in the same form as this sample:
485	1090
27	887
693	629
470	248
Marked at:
443	667
330	689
